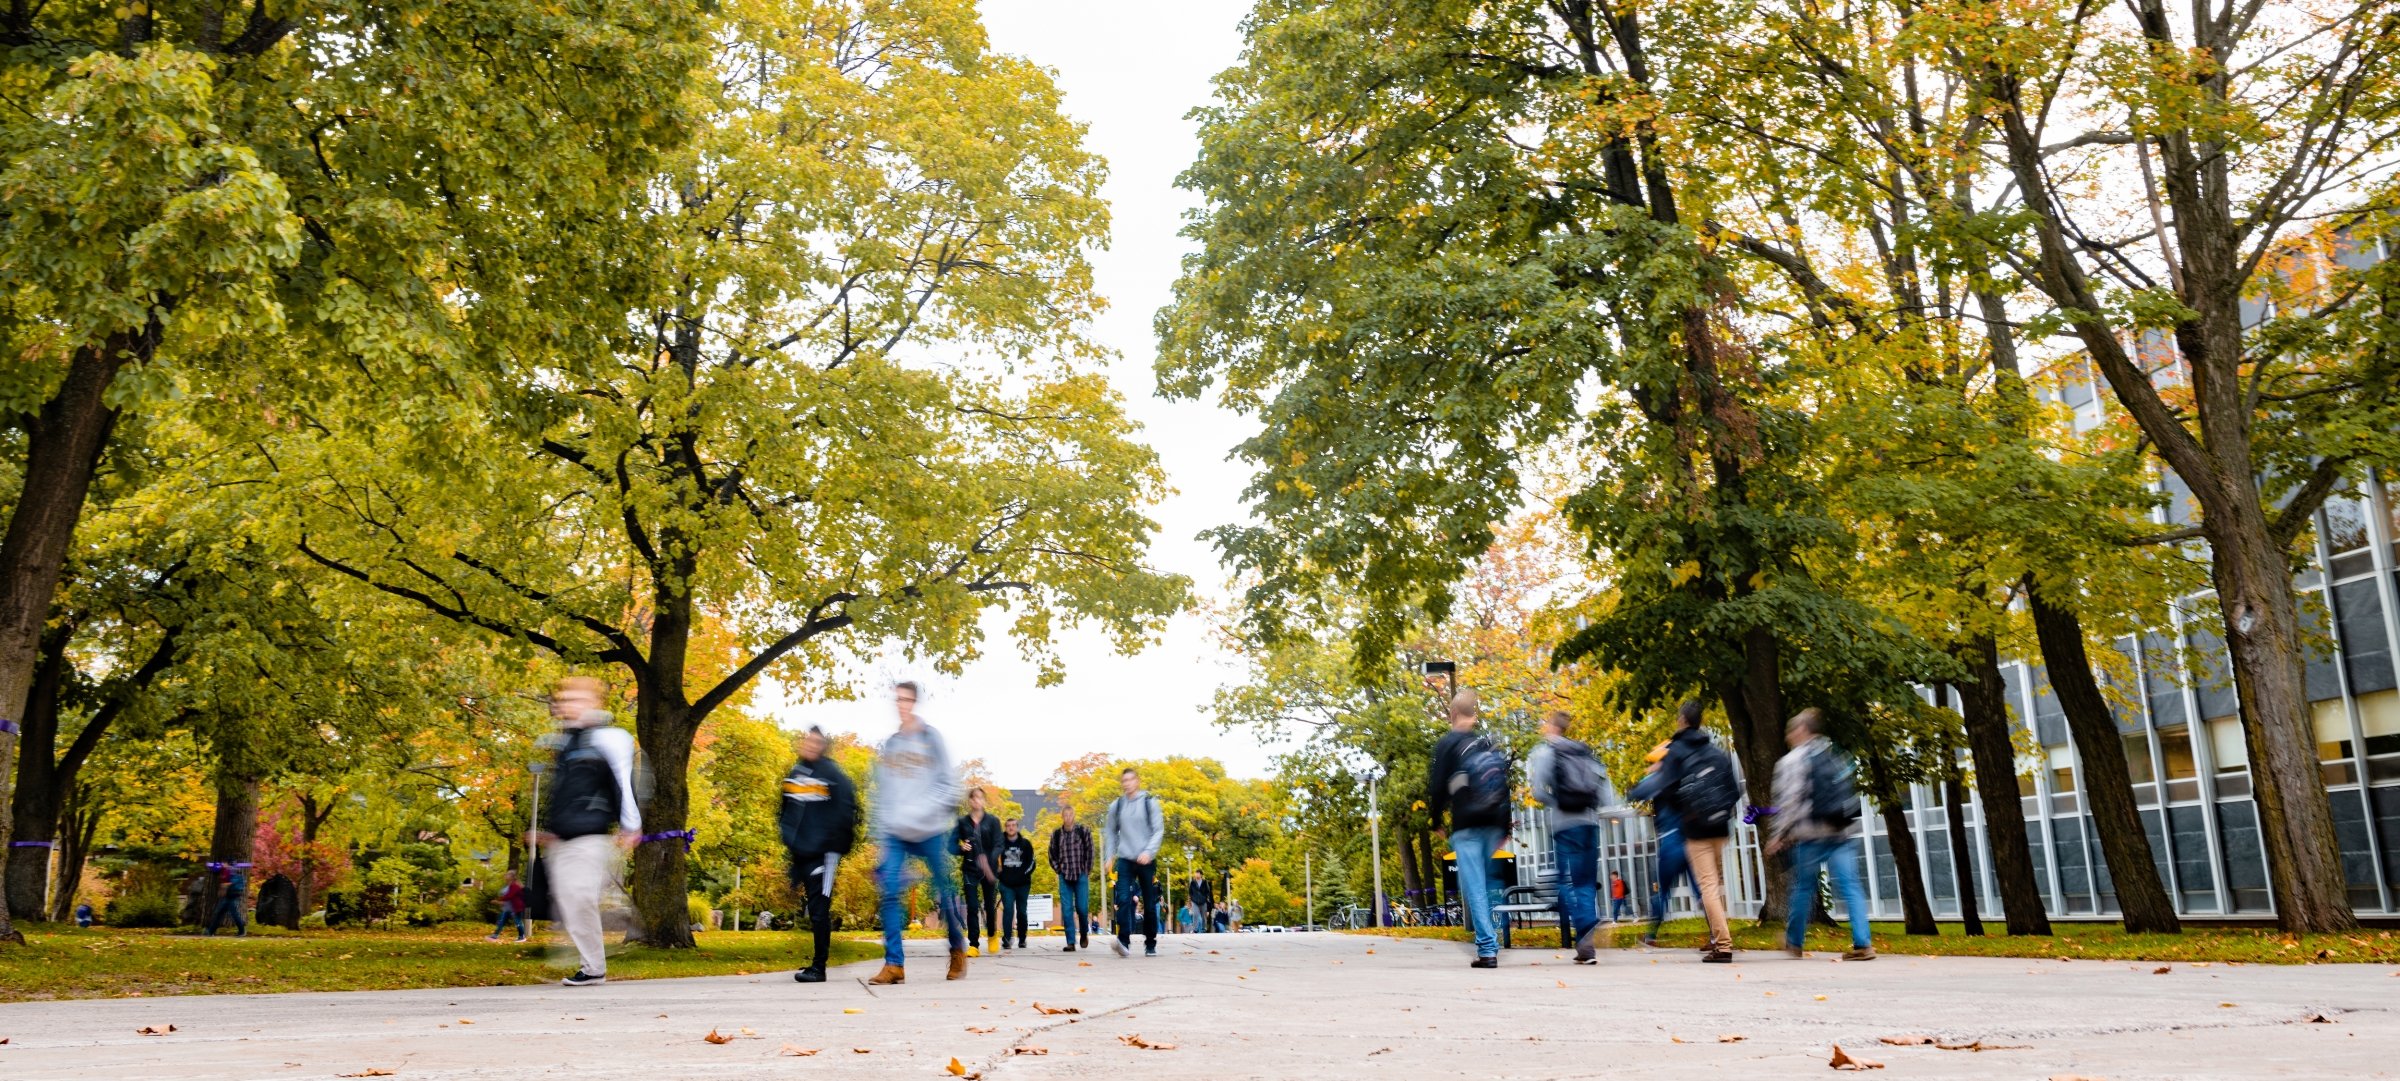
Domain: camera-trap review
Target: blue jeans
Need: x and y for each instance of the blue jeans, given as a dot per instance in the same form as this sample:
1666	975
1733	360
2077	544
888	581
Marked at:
934	853
1578	852
1474	847
1674	862
1144	877
1074	905
509	916
1012	913
1837	856
229	907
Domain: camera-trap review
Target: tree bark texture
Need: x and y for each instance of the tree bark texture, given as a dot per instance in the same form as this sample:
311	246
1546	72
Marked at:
1962	852
1985	706
2107	783
1756	708
1916	909
67	436
234	836
34	804
79	824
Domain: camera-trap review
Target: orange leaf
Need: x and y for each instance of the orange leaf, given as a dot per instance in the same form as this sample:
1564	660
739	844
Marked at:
712	1037
1136	1040
797	1051
956	1070
981	1030
1843	1061
1731	1038
1979	1045
2162	970
1053	1011
1029	1050
862	1051
1907	1041
154	1030
370	1071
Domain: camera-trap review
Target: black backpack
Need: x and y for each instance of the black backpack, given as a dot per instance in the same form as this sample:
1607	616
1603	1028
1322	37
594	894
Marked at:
585	799
1707	792
1832	790
1576	781
1481	785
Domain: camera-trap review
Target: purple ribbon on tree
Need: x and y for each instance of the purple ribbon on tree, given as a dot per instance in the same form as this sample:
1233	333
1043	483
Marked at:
7	726
686	836
1751	816
32	844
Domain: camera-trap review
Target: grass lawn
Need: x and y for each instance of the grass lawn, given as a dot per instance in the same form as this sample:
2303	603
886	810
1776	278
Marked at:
64	962
2077	941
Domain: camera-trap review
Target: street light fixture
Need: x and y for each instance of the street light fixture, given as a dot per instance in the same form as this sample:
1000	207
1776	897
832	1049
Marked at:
1448	670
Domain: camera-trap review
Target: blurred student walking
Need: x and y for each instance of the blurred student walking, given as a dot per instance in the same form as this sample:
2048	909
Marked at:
1135	829
1568	781
1016	882
1071	860
976	840
916	788
1816	820
1695	785
591	798
1469	780
818	819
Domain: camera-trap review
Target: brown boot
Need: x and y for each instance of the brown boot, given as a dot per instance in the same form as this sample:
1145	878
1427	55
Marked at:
958	965
891	974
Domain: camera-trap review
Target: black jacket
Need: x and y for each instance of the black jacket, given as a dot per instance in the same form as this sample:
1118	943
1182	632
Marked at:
819	813
986	843
1686	745
1016	861
1448	757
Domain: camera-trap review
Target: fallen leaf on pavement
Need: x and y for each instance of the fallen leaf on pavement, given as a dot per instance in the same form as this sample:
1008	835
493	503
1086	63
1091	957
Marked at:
1820	998
955	1069
154	1030
1843	1061
1731	1038
1136	1040
370	1071
2162	970
862	1050
1370	951
1081	990
981	1029
1906	1041
2224	1005
1561	983
852	1009
2319	1019
1053	1011
797	1051
750	1032
1029	1050
1979	1045
464	1021
712	1037
1083	964
1677	1039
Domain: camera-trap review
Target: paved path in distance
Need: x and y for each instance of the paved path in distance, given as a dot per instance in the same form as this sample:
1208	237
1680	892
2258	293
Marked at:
1287	1006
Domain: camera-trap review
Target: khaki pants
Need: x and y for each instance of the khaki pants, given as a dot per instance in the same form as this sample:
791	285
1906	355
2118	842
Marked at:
581	870
1708	869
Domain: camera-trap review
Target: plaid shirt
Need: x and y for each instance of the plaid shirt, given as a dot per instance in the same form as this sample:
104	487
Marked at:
1071	852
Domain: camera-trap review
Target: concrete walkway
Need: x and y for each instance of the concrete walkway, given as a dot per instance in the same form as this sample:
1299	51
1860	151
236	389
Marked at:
1278	1006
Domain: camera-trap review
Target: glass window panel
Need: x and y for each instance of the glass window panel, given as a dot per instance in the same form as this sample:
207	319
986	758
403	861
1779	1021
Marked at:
2366	649
2175	746
2324	680
2215	676
2226	746
2137	758
2345	524
2333	730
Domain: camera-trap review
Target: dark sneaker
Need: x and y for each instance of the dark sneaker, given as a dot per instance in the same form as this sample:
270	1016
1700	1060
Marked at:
1794	952
811	974
1486	962
1123	948
1718	957
1650	941
1150	950
1586	957
1070	948
583	979
1861	953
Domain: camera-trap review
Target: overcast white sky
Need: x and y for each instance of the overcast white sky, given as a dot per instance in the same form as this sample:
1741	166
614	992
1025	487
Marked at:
1130	71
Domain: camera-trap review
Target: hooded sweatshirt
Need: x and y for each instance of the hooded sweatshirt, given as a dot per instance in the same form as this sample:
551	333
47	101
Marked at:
819	813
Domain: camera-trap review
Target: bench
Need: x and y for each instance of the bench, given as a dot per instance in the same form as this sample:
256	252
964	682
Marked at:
1529	905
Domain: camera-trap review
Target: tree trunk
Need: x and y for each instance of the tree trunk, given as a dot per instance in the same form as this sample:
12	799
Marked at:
1429	865
233	839
661	869
34	806
1985	707
2107	784
79	823
63	450
1916	910
1962	849
1754	707
1412	882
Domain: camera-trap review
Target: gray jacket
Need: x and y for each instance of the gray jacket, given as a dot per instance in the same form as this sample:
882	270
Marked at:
1541	772
916	786
1135	829
1792	821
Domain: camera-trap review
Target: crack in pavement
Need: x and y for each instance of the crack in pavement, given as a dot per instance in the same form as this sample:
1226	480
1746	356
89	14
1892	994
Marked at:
1009	1053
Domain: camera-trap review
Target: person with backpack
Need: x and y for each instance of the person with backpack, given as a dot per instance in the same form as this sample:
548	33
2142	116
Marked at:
1135	828
590	798
1016	882
1695	787
1469	782
1071	859
1816	820
1567	779
1203	901
232	884
818	818
976	840
916	788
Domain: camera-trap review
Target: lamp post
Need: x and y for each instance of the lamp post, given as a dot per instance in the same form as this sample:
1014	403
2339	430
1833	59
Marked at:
1448	670
1375	841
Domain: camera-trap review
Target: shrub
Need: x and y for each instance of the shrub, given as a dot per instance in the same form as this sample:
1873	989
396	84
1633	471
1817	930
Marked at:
150	906
697	905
